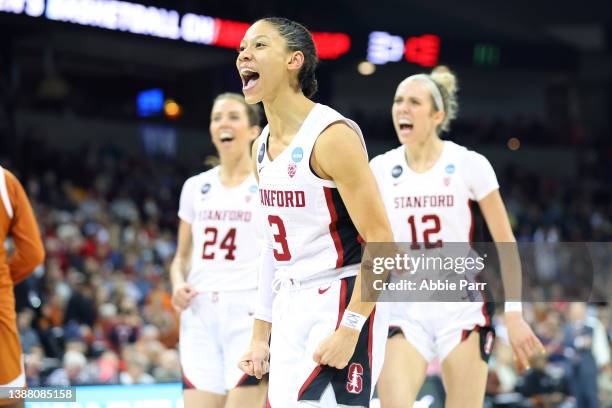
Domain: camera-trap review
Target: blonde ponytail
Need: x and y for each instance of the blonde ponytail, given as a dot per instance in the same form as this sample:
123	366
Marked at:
446	81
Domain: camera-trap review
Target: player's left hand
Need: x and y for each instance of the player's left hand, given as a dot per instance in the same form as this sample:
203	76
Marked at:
337	349
523	341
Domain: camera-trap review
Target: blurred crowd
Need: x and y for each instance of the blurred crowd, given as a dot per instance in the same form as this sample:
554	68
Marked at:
99	310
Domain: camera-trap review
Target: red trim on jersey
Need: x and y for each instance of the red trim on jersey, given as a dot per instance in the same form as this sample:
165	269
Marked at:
485	313
188	384
342	304
370	340
333	230
466	333
341	308
309	380
242	379
268	403
471	235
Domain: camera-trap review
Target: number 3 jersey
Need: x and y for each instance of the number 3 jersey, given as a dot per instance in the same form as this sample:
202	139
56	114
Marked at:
307	224
226	231
433	207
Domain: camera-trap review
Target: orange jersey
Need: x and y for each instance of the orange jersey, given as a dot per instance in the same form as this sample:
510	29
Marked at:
16	220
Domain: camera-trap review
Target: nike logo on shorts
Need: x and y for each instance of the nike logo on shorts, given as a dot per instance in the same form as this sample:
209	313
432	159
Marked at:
322	291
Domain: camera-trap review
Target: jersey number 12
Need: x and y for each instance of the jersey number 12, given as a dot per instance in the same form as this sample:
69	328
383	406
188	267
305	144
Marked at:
435	228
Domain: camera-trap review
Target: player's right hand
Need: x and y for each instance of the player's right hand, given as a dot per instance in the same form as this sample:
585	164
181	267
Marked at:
256	361
182	296
523	341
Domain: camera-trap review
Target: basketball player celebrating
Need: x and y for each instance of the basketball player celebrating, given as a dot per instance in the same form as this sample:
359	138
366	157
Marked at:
214	271
327	345
459	334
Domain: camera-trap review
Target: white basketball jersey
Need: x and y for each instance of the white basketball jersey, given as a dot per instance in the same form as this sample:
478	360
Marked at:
306	221
226	231
433	207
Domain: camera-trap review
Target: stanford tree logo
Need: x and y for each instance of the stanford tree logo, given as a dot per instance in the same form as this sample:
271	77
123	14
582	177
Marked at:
354	385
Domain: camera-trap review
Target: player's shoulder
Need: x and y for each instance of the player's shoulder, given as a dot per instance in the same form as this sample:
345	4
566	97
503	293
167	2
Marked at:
324	110
456	150
463	154
388	159
198	180
470	163
334	121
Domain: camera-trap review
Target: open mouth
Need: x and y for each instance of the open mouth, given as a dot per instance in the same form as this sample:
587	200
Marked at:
405	124
226	137
249	78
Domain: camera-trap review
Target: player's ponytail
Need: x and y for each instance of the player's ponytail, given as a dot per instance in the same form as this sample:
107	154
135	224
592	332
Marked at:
309	83
446	81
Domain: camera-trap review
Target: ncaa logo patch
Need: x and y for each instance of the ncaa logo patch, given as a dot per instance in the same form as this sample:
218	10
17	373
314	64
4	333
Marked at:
397	171
205	188
354	385
450	169
262	151
291	169
297	154
253	189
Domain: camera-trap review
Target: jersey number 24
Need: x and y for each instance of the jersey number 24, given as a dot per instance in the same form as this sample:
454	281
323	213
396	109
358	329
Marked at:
227	243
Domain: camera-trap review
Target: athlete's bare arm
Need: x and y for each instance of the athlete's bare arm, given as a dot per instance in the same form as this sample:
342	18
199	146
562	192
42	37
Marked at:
29	249
182	292
255	361
522	339
339	155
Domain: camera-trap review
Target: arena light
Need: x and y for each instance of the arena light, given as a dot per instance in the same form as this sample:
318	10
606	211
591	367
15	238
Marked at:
331	45
150	102
514	143
384	47
158	22
33	8
366	68
486	55
229	33
423	50
116	15
172	109
197	29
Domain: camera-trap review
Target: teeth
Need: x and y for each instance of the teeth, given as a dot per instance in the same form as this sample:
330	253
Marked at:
404	121
247	71
226	136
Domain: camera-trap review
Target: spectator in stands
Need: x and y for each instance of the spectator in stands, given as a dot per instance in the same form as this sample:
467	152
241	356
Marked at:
588	350
108	368
135	372
542	389
169	369
27	335
33	367
74	371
